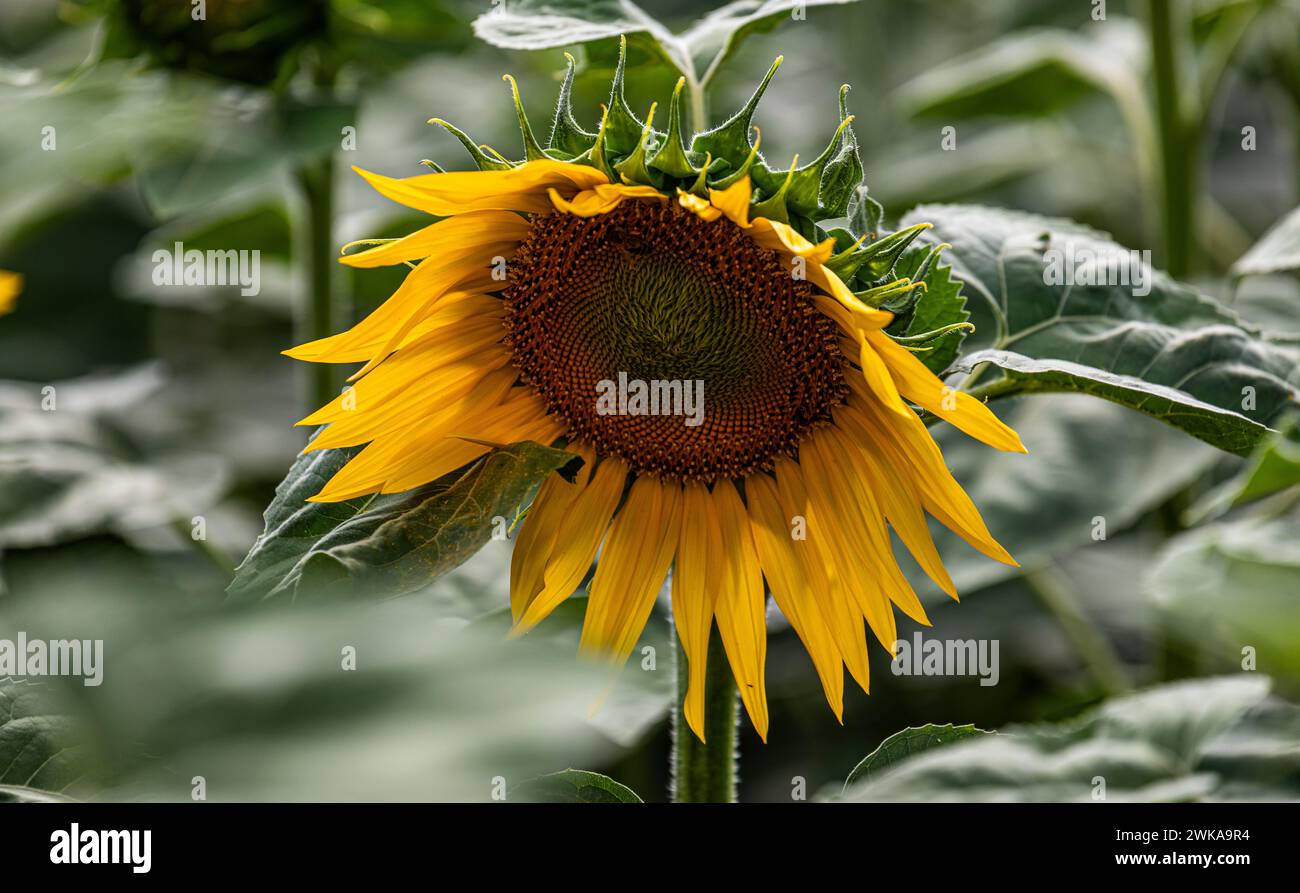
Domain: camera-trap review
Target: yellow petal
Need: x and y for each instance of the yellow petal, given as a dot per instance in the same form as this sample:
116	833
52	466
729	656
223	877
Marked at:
700	206
602	199
693	599
740	606
924	388
633	563
11	285
463	232
791	589
522	188
575	543
838	606
782	237
548	513
733	201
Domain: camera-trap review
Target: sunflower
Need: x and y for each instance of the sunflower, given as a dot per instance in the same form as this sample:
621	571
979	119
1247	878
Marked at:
627	253
11	285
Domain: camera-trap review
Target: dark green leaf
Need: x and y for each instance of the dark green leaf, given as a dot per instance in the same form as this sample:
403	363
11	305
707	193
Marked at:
1016	270
384	544
942	305
1273	467
38	747
901	745
573	786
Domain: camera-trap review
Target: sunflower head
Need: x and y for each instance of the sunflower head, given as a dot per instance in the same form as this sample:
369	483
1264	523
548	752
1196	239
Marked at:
724	360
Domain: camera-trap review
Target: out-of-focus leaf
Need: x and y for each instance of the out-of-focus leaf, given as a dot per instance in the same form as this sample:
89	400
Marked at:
385	544
38	747
1233	585
1091	461
909	742
13	793
574	786
1278	250
1215	425
65	472
1273	467
712	40
1173	337
1034	72
1183	741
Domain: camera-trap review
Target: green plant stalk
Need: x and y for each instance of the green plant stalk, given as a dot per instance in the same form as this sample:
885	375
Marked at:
706	773
1177	139
316	181
1097	655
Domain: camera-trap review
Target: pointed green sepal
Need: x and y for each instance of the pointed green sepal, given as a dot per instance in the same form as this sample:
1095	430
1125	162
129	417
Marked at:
622	129
844	171
876	259
632	169
596	156
805	189
742	171
701	186
566	134
533	150
881	295
433	165
730	139
865	213
927	337
484	161
773	207
671	157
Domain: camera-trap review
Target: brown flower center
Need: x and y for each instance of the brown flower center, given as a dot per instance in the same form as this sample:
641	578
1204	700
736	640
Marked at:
676	344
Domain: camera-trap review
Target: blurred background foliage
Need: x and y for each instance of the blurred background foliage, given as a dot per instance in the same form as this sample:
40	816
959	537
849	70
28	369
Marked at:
175	404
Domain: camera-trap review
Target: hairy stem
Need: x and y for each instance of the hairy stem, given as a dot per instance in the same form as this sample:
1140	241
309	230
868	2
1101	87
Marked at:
1178	144
706	773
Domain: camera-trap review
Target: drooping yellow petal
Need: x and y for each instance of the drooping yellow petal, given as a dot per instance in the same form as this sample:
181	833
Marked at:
811	539
787	579
433	280
576	540
461	233
782	237
549	511
849	543
923	387
11	285
633	563
890	480
740	605
522	188
693	598
602	199
940	493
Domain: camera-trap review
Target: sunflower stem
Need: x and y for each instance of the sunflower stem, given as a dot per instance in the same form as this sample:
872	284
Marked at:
1169	32
316	181
1098	656
706	773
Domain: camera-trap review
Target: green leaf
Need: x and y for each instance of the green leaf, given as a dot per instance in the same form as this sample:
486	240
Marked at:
1231	585
1034	72
715	37
13	793
1273	467
1223	428
384	544
704	46
1016	268
1277	251
1204	739
38	747
573	786
909	742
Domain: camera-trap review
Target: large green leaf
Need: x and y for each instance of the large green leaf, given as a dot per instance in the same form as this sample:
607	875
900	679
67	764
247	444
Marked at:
704	46
385	544
574	786
1277	251
1171	352
1205	739
38	747
909	742
1034	72
1273	467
